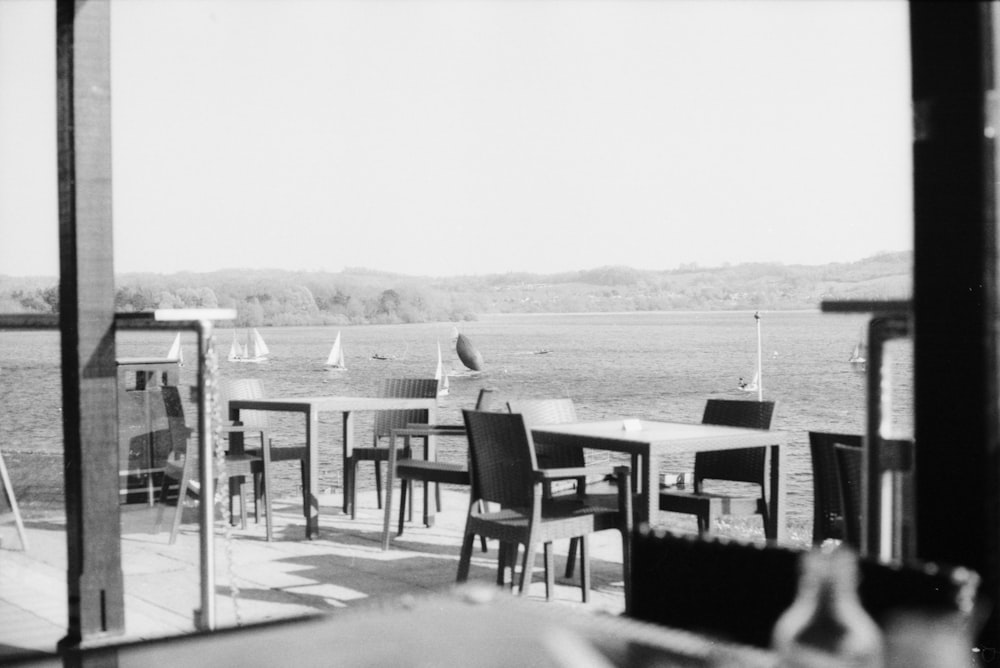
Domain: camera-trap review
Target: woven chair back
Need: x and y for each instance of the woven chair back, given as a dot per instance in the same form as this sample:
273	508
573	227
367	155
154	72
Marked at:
502	458
849	461
743	465
490	399
737	590
828	510
550	411
403	388
243	388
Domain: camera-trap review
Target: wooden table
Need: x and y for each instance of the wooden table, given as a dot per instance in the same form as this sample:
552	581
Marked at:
652	441
311	407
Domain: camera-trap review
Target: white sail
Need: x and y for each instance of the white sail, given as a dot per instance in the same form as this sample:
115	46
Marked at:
176	352
234	350
258	346
440	376
336	356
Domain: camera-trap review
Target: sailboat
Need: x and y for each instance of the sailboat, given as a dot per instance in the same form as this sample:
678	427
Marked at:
176	352
755	385
440	376
254	350
859	356
336	358
752	385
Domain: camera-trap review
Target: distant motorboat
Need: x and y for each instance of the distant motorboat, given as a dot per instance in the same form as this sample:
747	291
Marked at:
253	350
335	360
176	352
542	351
467	352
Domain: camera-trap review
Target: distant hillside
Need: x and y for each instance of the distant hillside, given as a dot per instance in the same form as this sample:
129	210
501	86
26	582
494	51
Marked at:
356	296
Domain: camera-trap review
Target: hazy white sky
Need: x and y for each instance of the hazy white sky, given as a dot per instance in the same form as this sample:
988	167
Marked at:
475	137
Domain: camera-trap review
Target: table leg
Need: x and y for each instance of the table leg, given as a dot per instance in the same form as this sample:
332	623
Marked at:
778	529
390	478
430	454
348	443
649	504
312	474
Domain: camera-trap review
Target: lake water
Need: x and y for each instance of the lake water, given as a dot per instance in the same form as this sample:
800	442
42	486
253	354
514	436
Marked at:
648	365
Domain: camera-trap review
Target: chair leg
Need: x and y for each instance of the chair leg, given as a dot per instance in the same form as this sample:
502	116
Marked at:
482	539
378	483
266	494
704	523
465	558
305	499
550	571
354	489
627	568
348	484
526	566
403	485
164	490
571	558
181	495
585	567
501	564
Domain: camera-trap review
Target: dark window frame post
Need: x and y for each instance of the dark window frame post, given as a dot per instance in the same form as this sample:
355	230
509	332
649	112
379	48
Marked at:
86	322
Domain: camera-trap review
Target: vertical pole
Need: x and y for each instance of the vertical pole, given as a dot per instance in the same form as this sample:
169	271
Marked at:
208	378
955	290
760	359
86	322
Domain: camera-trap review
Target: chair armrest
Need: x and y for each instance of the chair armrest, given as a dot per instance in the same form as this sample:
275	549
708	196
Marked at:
241	428
428	430
542	475
424	425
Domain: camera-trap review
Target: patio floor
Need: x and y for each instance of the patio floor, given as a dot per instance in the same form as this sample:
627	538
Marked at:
342	570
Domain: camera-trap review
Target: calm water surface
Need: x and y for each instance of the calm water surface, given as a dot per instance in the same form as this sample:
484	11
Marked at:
649	365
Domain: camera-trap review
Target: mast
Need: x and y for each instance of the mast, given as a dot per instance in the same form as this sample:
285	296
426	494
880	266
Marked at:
760	376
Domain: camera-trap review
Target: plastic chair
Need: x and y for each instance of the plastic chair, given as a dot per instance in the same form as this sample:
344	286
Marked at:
828	509
736	590
182	463
849	462
385	422
431	470
554	411
257	422
505	472
746	465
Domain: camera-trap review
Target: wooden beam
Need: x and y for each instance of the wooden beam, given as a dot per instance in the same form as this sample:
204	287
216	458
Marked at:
955	291
86	293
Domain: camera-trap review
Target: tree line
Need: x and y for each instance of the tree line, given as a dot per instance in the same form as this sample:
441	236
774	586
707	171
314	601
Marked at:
361	296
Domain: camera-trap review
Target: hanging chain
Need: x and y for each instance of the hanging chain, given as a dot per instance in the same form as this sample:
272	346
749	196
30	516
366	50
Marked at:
221	488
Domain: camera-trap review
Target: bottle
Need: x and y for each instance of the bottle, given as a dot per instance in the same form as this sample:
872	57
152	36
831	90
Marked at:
826	625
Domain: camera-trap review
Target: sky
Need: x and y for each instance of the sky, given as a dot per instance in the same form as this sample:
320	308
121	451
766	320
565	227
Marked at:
452	138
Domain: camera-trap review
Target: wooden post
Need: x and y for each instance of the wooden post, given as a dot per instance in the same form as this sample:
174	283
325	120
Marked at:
955	292
86	297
